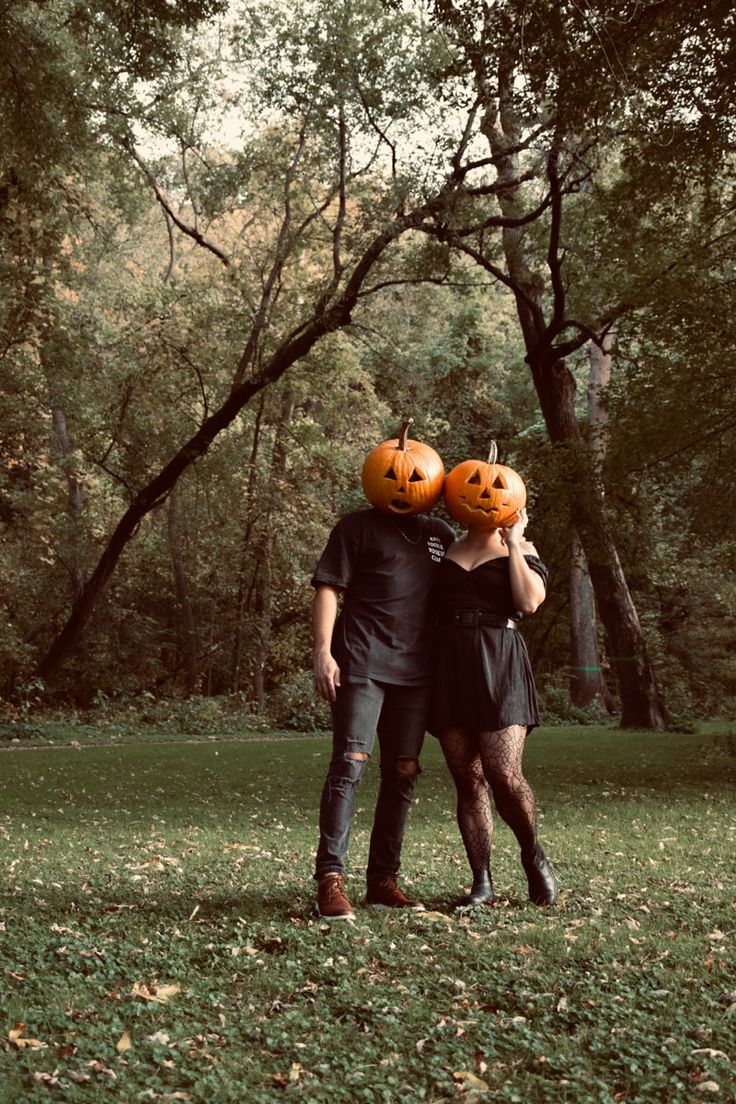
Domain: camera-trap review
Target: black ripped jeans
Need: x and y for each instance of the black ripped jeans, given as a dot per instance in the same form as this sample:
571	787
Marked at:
399	715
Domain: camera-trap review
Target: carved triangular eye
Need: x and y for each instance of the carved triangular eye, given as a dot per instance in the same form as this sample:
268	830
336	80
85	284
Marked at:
391	474
498	482
416	477
475	477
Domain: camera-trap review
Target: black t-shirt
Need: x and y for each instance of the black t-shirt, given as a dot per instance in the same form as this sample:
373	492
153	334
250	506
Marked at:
385	566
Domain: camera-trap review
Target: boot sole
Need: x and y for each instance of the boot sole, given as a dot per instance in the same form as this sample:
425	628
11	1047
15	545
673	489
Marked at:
339	916
408	908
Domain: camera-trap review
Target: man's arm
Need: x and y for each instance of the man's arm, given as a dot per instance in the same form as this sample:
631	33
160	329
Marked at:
324	613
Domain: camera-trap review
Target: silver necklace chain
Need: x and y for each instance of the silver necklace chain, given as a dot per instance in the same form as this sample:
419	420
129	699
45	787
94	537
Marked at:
408	539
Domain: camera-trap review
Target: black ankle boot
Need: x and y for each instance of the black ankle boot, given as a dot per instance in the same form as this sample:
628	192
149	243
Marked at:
543	888
481	891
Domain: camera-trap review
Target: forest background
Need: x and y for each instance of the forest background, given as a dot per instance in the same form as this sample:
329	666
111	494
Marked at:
240	243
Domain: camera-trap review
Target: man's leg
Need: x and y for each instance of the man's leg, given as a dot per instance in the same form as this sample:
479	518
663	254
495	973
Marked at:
401	731
355	716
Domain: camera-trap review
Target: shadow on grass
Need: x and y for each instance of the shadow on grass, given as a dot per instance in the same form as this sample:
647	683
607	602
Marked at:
180	908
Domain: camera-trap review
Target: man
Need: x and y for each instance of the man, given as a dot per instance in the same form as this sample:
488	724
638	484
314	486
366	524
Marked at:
373	664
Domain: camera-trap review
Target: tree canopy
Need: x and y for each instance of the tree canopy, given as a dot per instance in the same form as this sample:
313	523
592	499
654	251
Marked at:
281	229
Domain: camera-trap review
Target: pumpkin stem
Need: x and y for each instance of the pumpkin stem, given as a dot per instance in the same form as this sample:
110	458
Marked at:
403	434
493	454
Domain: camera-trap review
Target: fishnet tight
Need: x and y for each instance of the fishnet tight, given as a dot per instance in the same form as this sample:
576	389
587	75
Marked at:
483	759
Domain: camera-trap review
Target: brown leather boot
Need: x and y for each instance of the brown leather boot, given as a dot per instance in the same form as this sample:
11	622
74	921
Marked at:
332	902
385	893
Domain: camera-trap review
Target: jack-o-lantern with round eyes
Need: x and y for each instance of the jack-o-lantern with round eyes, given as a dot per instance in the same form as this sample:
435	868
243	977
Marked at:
484	495
403	476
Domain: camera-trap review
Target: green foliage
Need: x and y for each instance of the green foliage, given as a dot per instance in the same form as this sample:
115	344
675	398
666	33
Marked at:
135	337
294	705
556	709
183	873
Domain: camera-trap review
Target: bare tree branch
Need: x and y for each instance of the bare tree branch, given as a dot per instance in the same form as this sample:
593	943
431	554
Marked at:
554	260
190	231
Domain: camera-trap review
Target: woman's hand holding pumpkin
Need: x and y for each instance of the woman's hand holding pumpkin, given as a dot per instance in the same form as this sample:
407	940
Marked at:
514	533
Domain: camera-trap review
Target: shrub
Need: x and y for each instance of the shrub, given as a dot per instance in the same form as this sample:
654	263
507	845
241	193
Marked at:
295	705
556	708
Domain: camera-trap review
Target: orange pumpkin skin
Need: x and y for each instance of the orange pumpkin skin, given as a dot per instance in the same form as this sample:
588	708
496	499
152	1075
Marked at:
402	476
484	496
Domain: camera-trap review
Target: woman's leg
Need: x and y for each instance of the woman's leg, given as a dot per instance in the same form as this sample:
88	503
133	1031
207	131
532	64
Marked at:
474	816
501	753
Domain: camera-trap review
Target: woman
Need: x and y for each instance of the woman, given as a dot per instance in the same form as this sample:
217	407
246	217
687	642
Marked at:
485	701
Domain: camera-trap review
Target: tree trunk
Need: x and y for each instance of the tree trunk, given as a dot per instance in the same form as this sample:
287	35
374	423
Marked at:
555	386
188	626
587	680
641	706
586	674
264	568
242	592
72	558
74	502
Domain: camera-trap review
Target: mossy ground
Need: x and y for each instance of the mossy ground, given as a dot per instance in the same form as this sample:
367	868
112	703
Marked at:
158	940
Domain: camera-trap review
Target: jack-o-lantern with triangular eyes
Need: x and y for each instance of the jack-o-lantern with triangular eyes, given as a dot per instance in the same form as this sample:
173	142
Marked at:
403	476
484	495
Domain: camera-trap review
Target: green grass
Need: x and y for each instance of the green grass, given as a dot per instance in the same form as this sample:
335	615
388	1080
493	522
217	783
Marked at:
189	865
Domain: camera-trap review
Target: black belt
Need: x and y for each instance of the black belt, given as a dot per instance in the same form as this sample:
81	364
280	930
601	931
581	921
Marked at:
470	618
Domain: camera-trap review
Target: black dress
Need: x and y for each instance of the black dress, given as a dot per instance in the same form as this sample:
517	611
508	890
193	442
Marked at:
483	677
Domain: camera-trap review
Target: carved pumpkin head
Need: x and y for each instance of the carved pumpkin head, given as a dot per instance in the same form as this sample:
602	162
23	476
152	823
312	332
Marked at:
484	495
403	476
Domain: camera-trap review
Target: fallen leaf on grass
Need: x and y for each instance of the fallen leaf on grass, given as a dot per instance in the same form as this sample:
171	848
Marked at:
100	1067
159	1037
123	1043
710	1053
708	1087
52	1080
465	1077
15	1035
159	994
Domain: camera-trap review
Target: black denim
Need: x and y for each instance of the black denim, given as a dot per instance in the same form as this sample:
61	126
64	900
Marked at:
399	715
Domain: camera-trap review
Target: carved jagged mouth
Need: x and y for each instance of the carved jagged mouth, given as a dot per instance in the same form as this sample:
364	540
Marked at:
400	505
483	509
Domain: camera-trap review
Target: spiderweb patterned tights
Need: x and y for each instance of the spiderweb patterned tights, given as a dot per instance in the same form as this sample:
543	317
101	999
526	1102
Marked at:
477	760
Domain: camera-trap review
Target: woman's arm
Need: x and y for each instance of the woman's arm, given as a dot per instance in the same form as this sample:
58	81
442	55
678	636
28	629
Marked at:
527	587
